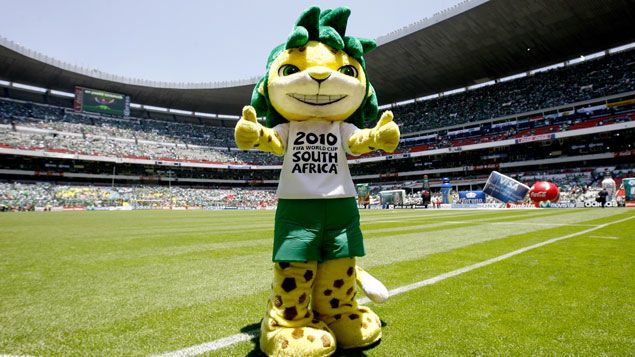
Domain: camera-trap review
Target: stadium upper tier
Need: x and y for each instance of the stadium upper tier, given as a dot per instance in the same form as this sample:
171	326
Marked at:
591	79
474	42
161	136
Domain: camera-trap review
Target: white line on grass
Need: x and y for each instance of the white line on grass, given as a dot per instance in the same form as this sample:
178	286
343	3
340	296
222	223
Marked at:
252	334
604	237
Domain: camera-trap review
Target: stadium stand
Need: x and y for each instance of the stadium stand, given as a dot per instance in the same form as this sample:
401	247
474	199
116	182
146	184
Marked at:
26	197
551	122
608	75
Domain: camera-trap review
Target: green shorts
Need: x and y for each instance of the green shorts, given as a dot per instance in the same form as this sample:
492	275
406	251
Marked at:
317	229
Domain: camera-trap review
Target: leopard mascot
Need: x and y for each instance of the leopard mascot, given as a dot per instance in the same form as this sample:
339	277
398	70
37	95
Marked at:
315	96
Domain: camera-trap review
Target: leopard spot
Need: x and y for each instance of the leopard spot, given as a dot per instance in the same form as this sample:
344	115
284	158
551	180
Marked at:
335	303
290	313
364	325
326	341
349	291
297	333
363	309
328	292
350	271
353	316
337	316
284	265
338	283
307	315
284	344
308	275
315	321
302	298
311	338
288	284
277	301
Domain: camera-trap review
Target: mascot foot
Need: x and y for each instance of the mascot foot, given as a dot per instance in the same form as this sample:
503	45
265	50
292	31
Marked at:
334	300
356	329
313	340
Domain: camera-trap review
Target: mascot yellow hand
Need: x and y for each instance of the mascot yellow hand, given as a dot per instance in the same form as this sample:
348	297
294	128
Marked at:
249	133
384	136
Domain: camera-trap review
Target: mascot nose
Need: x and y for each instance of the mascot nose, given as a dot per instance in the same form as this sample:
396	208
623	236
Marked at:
319	74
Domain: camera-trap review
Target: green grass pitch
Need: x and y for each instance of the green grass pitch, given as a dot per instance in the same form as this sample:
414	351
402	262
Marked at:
150	282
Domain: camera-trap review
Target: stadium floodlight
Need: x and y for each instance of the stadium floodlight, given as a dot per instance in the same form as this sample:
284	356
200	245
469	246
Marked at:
28	87
480	85
60	93
224	116
205	115
454	91
409	101
156	109
512	77
428	97
622	48
179	111
5	83
546	68
136	106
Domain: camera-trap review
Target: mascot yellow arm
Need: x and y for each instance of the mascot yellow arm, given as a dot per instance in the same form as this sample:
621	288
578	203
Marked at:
249	134
384	136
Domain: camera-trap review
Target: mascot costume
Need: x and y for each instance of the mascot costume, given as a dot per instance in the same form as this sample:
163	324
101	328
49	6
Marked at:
315	96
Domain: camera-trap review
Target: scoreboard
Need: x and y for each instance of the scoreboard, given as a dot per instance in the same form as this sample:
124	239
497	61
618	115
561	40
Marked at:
101	102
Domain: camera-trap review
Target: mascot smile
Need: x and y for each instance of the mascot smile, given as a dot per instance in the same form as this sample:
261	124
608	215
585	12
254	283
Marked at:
316	96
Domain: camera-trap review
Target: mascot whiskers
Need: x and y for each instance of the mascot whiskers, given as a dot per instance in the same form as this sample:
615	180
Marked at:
315	96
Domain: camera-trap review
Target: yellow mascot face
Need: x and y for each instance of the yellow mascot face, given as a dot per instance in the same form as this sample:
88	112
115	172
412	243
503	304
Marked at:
316	82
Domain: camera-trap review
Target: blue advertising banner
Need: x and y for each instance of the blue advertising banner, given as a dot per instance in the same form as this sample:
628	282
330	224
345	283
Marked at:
469	197
505	188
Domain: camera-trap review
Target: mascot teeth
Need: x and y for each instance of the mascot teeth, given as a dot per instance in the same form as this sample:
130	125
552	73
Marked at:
318	99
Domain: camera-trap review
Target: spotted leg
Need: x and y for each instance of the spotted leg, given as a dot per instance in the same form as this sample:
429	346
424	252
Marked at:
289	327
334	300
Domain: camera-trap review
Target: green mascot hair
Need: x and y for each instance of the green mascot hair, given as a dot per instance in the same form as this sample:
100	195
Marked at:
328	27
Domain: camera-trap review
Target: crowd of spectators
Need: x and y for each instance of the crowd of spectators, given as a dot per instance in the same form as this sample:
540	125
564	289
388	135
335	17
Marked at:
612	74
35	126
575	185
24	197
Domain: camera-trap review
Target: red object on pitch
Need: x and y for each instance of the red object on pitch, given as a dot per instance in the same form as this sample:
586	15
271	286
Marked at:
544	191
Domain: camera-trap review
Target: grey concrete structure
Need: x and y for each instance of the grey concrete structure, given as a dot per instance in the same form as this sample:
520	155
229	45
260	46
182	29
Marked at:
474	42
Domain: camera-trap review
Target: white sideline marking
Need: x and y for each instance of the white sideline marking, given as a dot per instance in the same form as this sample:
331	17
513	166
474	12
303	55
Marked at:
214	345
604	237
252	334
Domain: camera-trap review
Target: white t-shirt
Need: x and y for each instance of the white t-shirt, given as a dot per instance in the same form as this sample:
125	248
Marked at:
315	163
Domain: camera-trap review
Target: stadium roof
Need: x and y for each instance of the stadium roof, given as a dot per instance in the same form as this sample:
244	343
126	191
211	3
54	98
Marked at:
474	42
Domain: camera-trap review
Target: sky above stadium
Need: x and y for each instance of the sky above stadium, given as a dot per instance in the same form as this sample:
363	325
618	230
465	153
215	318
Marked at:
186	40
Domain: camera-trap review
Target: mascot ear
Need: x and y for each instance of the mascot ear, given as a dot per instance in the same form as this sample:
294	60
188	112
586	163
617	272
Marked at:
367	44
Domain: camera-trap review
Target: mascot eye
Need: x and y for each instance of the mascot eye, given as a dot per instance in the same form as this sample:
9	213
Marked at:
348	70
288	69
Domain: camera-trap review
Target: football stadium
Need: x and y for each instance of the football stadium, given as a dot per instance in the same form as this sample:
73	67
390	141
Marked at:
132	223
